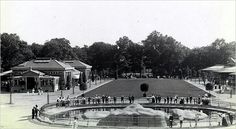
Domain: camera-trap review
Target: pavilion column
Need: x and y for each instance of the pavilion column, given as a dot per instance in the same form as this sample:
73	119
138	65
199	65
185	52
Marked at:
25	86
39	82
26	83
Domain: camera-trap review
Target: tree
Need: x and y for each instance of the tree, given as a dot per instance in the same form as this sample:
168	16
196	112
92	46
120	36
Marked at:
83	87
36	48
209	87
164	53
144	88
84	77
123	56
93	77
81	53
58	48
80	78
14	51
219	52
100	56
136	54
68	82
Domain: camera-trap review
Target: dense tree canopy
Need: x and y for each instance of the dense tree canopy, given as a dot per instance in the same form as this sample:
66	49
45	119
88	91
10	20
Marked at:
58	48
161	53
164	53
13	51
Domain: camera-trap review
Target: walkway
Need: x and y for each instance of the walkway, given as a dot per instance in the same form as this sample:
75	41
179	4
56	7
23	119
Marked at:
219	98
18	114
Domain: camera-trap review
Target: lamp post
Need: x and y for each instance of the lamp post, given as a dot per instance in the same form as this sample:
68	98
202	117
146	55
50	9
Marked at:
10	96
47	98
61	93
73	90
11	83
231	87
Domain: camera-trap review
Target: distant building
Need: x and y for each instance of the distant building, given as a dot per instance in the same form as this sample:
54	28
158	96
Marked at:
46	74
222	76
78	65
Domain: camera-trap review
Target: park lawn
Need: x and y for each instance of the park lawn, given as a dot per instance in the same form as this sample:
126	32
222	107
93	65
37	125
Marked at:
163	87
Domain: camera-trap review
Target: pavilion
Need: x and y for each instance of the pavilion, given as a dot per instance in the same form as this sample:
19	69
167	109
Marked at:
45	74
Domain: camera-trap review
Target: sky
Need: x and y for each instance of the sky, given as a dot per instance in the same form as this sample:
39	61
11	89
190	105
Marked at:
193	23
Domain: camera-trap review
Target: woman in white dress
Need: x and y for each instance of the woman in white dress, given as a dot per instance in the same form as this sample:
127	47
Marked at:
75	123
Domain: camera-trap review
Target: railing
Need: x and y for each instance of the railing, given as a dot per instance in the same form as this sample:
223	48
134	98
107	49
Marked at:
140	121
66	119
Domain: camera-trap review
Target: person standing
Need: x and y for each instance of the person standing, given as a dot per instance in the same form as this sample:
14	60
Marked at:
89	99
122	99
196	119
231	118
153	99
114	99
36	110
132	99
75	123
156	98
171	120
129	99
33	112
224	121
159	99
190	99
33	91
181	119
219	119
171	98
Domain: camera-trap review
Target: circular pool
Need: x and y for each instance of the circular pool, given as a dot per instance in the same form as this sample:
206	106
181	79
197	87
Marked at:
136	115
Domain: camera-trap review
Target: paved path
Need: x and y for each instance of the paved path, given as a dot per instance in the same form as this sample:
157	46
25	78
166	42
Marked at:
18	114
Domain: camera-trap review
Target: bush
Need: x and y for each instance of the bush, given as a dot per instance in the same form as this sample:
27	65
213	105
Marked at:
209	86
144	88
83	86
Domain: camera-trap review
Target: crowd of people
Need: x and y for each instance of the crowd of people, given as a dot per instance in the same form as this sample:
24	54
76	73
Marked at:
106	99
181	100
97	99
223	119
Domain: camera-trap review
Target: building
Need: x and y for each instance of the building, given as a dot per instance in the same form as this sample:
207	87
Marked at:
78	65
222	76
5	80
46	74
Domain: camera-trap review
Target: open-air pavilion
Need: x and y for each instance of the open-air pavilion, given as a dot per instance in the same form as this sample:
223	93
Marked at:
222	76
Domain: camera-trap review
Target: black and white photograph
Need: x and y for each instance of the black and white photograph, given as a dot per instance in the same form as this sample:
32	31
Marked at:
116	64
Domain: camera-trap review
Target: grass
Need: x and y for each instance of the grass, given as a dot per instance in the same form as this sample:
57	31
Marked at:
163	87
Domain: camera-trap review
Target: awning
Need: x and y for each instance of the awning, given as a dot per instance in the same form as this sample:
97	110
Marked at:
227	70
5	73
75	76
233	74
213	68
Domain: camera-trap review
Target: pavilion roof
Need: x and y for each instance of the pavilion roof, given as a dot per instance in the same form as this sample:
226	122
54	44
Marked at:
227	70
43	64
234	74
77	64
34	71
5	73
214	68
